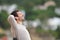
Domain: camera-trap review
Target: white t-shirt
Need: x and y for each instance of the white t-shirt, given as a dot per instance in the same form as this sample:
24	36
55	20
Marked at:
18	30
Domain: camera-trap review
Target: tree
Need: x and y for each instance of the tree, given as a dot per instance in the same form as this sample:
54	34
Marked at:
57	3
42	14
3	20
58	32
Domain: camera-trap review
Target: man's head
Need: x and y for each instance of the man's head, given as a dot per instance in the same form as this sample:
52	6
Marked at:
18	14
14	13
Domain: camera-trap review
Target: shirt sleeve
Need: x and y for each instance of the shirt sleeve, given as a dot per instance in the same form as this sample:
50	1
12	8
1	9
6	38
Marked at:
13	32
12	20
13	23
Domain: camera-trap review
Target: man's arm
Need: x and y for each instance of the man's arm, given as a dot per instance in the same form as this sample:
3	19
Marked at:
13	23
12	20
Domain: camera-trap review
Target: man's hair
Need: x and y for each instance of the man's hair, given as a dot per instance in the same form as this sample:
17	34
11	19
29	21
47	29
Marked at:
14	13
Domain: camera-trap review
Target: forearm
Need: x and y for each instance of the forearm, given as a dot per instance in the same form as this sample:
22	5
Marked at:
12	20
13	32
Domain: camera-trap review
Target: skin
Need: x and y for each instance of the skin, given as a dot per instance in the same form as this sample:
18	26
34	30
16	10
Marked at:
20	17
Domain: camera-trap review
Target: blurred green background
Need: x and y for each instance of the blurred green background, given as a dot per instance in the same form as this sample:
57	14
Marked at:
42	10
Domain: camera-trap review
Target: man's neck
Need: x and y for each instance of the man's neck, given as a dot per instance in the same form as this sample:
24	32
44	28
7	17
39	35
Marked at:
19	22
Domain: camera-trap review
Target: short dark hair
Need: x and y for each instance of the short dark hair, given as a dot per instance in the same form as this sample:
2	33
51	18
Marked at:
14	13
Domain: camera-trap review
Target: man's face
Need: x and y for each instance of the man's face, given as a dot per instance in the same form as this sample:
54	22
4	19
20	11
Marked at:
20	15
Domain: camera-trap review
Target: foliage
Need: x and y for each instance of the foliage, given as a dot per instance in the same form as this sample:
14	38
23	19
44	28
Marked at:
3	20
42	14
55	33
58	32
57	3
2	35
28	6
40	30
